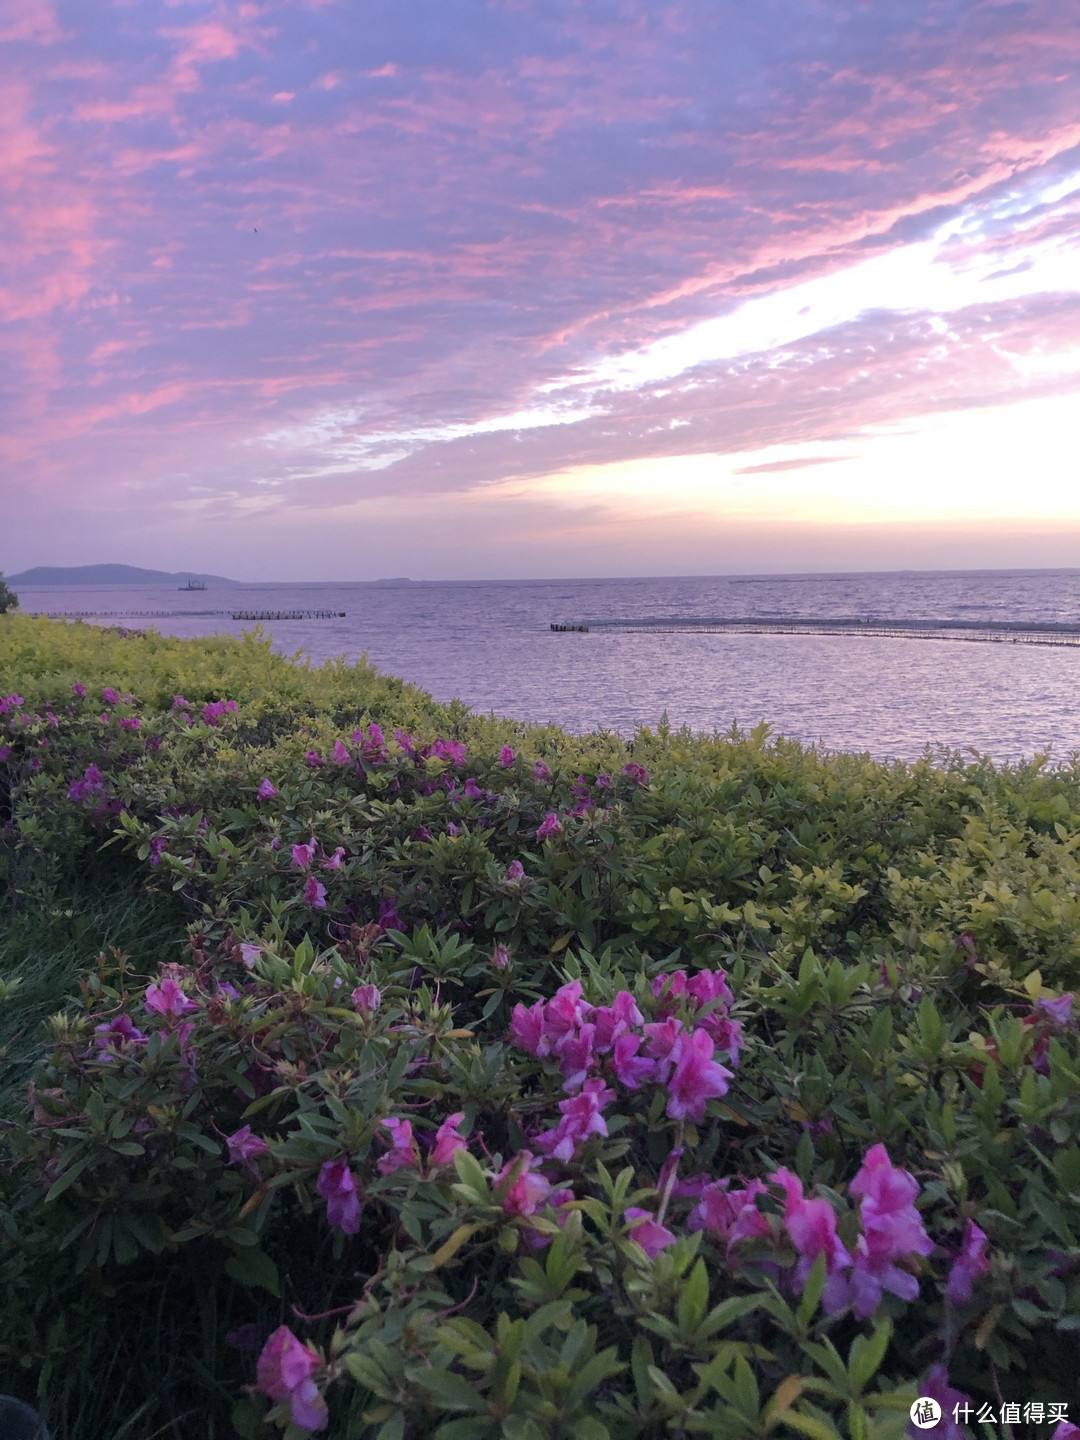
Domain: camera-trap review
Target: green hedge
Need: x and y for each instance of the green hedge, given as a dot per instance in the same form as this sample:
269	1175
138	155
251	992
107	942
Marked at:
879	958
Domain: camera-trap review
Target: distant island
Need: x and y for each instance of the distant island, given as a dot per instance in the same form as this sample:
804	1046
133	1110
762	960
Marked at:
109	575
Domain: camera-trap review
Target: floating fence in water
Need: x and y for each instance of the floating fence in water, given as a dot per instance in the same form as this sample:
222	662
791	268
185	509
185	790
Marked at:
288	614
1016	632
168	614
116	614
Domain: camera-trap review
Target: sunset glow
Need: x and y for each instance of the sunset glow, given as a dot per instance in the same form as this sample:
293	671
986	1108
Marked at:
480	289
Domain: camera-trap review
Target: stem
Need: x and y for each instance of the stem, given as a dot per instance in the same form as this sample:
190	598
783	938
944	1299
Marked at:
672	1166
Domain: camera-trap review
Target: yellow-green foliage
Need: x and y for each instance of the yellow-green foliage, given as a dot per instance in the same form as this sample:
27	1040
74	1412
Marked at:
900	941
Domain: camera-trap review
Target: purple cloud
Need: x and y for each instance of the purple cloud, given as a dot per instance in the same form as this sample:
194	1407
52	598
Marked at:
260	262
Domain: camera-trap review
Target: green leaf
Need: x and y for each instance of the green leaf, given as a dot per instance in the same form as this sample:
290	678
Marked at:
254	1267
816	1427
693	1298
452	1391
866	1355
728	1311
70	1175
812	1290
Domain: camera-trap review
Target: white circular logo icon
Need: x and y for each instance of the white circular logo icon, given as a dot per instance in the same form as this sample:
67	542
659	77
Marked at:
925	1413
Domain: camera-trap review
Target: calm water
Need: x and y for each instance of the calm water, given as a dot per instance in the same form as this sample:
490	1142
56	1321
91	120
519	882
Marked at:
489	644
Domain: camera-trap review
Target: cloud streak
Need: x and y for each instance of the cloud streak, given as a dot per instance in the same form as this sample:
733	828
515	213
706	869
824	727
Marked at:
265	261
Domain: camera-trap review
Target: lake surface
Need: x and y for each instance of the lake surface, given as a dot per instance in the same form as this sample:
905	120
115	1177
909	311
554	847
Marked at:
489	643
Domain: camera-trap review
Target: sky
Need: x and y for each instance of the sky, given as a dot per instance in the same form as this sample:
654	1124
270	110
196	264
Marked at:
345	289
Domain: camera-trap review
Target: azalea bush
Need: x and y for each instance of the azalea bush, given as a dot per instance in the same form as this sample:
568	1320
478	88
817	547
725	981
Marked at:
502	1082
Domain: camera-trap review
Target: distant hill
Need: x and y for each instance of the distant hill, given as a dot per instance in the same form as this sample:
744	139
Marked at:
108	575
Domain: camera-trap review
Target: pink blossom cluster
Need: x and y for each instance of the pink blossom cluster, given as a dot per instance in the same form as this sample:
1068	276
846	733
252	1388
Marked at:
579	1036
707	997
892	1233
452	750
216	711
581	1118
90	787
370	748
404	1152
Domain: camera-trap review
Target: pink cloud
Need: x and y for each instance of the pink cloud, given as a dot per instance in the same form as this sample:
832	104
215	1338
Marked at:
184	273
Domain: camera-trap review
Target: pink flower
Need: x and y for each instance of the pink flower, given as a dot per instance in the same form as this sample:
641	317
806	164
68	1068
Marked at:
575	1052
664	1043
313	758
548	826
367	998
514	871
630	1067
389	919
244	1147
169	1000
615	1019
811	1225
500	957
540	773
179	703
697	1079
651	1236
111	697
709	985
339	754
267	791
473	790
968	1266
731	1214
333	862
129	722
636	773
337	1186
249	954
302	855
1057	1012
566	1011
284	1372
79	689
506	757
527	1027
447	1140
315	894
452	750
528	1192
406	742
581	1118
1066	1430
892	1230
117	1032
403	1153
90	786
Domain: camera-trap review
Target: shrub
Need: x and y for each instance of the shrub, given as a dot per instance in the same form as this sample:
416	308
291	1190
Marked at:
513	1083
